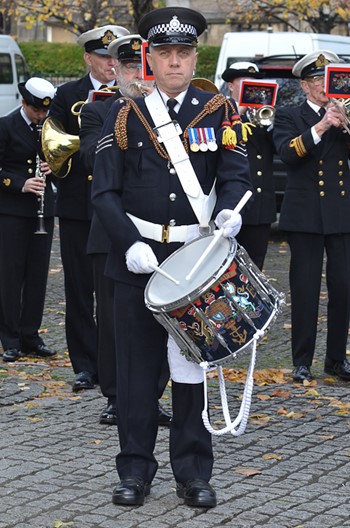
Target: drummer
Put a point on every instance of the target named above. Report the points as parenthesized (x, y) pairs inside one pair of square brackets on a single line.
[(139, 193)]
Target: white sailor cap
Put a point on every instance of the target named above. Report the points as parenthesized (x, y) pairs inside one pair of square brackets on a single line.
[(98, 39), (37, 92), (126, 48), (314, 63), (172, 25)]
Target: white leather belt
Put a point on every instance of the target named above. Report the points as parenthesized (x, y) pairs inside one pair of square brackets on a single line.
[(161, 233)]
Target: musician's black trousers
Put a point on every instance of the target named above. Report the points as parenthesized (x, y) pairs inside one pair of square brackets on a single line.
[(255, 239), (81, 330), (141, 348), (307, 251), (24, 264), (107, 367)]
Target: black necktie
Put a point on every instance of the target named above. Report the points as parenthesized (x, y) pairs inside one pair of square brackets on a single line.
[(34, 127), (102, 86), (321, 111), (171, 105)]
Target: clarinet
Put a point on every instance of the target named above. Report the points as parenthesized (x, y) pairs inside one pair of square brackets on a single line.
[(40, 213)]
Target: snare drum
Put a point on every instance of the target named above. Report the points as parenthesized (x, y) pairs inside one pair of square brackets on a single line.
[(217, 313)]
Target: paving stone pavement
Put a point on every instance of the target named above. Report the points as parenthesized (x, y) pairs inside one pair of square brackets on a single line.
[(290, 469)]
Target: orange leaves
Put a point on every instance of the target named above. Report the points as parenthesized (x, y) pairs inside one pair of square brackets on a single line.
[(251, 472), (261, 377), (290, 414)]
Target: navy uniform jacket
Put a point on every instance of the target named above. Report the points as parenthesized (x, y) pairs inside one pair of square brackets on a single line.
[(317, 196), (260, 147), (73, 191), (18, 149), (92, 118), (139, 181)]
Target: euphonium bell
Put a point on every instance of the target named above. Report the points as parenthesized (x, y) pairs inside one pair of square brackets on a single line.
[(58, 147), (204, 84)]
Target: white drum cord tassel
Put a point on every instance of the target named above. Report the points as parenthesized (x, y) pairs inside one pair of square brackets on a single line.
[(238, 426)]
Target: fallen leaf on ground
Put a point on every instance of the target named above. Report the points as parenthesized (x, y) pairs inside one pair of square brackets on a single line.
[(271, 456), (263, 397), (248, 472)]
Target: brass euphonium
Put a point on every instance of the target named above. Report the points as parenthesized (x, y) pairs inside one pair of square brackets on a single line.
[(58, 146), (204, 84), (78, 105)]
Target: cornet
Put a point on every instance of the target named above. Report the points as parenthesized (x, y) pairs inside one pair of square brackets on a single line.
[(343, 105), (262, 116)]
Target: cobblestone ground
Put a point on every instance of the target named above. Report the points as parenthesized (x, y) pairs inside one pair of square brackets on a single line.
[(290, 469)]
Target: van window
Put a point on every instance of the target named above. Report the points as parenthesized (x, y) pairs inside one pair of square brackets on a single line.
[(21, 68), (6, 75)]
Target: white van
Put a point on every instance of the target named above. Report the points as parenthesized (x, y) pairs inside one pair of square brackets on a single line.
[(250, 45), (13, 69)]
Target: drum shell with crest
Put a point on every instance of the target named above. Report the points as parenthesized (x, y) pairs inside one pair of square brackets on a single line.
[(216, 314)]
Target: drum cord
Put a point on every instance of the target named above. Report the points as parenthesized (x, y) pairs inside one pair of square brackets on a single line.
[(243, 415)]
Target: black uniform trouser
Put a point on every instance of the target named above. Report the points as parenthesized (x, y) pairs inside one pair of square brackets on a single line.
[(255, 239), (307, 251), (107, 363), (24, 265), (140, 354), (81, 331), (106, 355)]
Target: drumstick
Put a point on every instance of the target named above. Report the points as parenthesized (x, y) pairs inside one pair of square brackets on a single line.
[(218, 234), (164, 273)]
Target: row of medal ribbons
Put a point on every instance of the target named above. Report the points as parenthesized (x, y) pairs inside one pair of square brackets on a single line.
[(202, 139)]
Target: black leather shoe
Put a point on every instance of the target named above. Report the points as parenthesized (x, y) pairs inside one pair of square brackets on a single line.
[(83, 380), (196, 492), (12, 354), (164, 418), (338, 368), (131, 491), (301, 373), (39, 351), (109, 414)]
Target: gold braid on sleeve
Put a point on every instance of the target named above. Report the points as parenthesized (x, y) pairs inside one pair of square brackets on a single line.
[(299, 147)]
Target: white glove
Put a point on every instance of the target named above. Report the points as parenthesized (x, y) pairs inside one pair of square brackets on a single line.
[(140, 258), (231, 222)]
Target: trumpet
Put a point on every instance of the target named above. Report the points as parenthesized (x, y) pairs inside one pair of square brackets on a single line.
[(41, 200), (262, 116)]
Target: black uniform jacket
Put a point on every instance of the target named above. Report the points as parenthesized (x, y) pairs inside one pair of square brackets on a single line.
[(317, 196), (139, 181), (18, 150), (73, 191), (262, 209), (92, 118)]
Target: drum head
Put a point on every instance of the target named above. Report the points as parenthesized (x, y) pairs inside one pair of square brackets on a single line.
[(161, 292)]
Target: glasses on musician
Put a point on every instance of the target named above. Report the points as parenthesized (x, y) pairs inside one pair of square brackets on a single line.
[(317, 79), (132, 66)]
